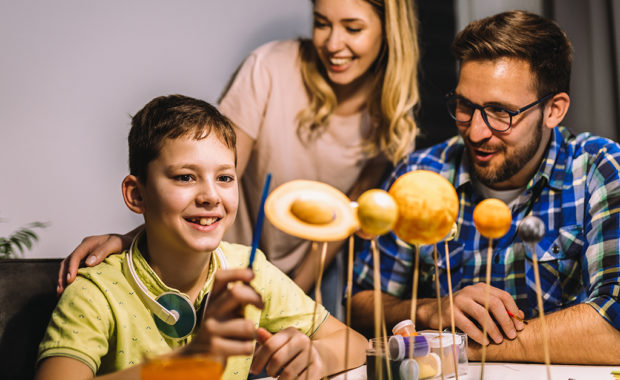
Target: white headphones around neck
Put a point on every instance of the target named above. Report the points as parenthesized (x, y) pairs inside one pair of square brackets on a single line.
[(173, 312)]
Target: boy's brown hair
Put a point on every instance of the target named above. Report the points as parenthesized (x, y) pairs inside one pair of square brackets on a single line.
[(522, 35), (172, 117)]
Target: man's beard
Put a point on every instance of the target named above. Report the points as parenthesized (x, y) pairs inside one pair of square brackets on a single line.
[(514, 161)]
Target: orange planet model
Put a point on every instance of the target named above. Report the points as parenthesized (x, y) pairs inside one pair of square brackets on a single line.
[(427, 207), (377, 212), (492, 218)]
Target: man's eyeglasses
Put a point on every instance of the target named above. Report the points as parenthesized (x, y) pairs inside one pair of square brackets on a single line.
[(496, 117)]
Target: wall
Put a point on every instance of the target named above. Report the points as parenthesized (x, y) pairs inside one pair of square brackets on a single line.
[(71, 73)]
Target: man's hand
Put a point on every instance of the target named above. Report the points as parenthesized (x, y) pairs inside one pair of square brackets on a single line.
[(224, 331), (469, 313), (285, 355)]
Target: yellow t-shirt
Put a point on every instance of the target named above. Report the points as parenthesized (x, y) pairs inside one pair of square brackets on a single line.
[(100, 320)]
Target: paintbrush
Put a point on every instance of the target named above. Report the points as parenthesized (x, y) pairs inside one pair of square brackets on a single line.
[(517, 317), (258, 227)]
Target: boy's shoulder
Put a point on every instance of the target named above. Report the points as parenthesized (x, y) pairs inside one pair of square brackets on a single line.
[(109, 270)]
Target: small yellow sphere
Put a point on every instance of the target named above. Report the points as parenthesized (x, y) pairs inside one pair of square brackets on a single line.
[(377, 212), (492, 218), (427, 207)]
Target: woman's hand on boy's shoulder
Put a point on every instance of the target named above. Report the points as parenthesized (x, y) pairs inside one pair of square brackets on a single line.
[(285, 355), (90, 252), (224, 331)]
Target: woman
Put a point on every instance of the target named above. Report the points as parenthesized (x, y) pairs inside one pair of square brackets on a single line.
[(335, 109)]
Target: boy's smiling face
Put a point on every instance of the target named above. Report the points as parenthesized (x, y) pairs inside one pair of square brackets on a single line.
[(191, 195)]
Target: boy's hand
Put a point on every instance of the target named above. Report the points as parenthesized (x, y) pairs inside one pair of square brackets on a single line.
[(224, 331), (285, 355)]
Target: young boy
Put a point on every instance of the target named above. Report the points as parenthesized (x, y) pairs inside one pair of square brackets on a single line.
[(144, 302)]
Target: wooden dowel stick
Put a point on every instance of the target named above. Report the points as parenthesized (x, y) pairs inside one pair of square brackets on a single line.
[(385, 344), (348, 312), (486, 306), (438, 291), (317, 299), (378, 306), (541, 310), (414, 290), (456, 372)]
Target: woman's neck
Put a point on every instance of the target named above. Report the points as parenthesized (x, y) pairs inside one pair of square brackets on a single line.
[(184, 271), (353, 97)]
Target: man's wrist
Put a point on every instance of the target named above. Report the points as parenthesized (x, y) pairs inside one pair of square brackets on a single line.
[(423, 313)]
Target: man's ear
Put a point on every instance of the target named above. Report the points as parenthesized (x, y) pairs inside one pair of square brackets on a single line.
[(556, 109), (133, 194)]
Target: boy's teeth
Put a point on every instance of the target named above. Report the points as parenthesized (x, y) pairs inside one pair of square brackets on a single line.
[(204, 221)]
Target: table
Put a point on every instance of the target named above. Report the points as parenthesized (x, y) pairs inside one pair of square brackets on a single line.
[(516, 371)]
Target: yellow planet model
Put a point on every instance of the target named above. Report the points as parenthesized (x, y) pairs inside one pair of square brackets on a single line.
[(492, 218), (427, 207), (377, 212)]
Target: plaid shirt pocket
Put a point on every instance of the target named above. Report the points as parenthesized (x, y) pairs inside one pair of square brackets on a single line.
[(558, 255)]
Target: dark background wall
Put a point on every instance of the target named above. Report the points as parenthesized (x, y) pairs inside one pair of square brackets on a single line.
[(437, 71)]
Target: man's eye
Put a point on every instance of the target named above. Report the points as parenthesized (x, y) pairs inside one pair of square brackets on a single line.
[(496, 112)]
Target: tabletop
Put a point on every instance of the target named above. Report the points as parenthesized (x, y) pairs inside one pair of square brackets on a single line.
[(515, 371)]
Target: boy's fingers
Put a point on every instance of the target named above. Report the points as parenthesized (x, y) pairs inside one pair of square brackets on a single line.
[(225, 276), (263, 353), (230, 301), (298, 366), (294, 351), (262, 335)]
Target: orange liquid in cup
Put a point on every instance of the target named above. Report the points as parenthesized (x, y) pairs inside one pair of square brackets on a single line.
[(197, 367)]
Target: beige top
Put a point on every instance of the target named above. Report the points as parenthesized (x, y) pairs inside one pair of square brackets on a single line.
[(263, 100)]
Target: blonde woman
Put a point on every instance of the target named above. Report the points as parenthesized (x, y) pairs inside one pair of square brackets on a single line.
[(336, 109)]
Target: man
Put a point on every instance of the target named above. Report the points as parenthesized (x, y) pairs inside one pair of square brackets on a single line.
[(511, 96)]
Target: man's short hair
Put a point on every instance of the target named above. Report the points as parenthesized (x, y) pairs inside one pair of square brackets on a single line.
[(522, 35), (172, 117)]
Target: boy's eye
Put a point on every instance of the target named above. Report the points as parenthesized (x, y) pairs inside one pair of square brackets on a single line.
[(226, 178), (183, 178)]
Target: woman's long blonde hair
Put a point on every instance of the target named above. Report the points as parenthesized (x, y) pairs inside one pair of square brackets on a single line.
[(394, 91)]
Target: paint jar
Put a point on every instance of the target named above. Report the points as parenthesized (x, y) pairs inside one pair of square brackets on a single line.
[(421, 367), (183, 367), (400, 346), (447, 348), (404, 328)]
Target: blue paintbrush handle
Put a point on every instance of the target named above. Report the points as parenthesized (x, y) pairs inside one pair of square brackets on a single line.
[(258, 227)]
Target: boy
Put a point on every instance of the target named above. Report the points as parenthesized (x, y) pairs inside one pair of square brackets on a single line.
[(182, 178)]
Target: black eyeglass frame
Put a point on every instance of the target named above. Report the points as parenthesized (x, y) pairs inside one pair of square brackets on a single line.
[(451, 95)]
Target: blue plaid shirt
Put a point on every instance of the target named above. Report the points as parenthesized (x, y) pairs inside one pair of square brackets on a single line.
[(576, 193)]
